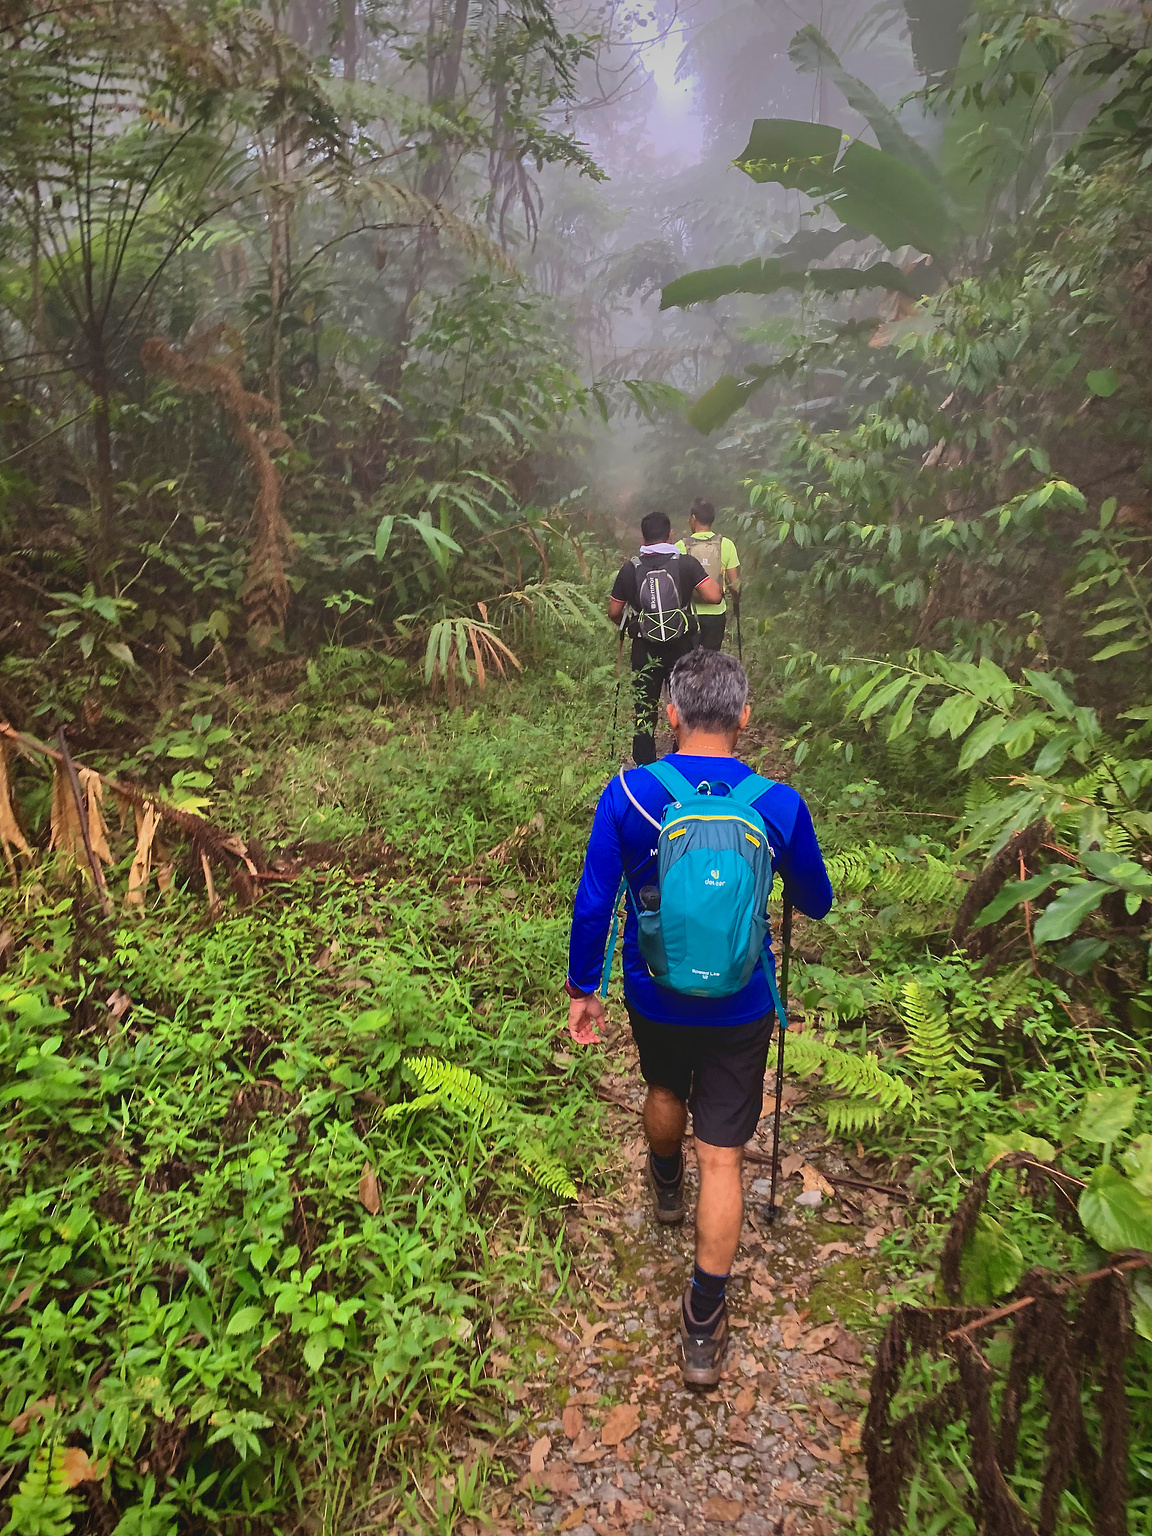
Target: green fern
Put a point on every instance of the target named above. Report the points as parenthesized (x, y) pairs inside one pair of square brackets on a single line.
[(893, 875), (547, 1171), (41, 1505), (933, 1048), (445, 1083), (409, 1106), (851, 1116), (454, 1085)]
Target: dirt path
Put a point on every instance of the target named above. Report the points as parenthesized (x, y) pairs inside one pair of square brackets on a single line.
[(611, 1441)]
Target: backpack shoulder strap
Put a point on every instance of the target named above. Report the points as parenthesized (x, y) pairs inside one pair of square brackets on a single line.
[(671, 778), (635, 802), (750, 789)]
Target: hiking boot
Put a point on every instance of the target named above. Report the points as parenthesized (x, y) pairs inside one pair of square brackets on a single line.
[(667, 1199), (703, 1353)]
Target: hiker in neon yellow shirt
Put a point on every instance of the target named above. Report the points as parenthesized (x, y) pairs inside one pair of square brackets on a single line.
[(719, 558)]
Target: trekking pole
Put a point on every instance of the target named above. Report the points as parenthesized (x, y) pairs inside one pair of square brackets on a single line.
[(740, 649), (786, 931)]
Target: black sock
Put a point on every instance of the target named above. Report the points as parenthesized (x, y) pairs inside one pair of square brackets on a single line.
[(668, 1170), (704, 1299)]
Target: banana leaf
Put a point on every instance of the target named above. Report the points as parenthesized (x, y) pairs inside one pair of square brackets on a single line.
[(794, 154), (811, 54), (771, 275)]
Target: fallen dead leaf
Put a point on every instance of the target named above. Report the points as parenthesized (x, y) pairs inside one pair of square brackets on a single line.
[(32, 1414), (622, 1421), (814, 1179), (592, 1332), (817, 1339), (571, 1520), (631, 1510), (823, 1453), (761, 1292), (720, 1510), (573, 1421), (826, 1250), (873, 1236), (539, 1454), (368, 1191), (22, 1296), (850, 1439), (592, 1453), (739, 1431), (75, 1466), (583, 1440), (791, 1164), (792, 1328), (847, 1349), (745, 1400), (671, 1434)]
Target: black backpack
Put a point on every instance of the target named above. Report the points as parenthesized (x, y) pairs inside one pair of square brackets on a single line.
[(662, 616)]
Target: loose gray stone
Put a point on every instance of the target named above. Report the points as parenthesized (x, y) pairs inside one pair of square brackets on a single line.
[(634, 1220), (790, 1472), (805, 1462), (703, 1437)]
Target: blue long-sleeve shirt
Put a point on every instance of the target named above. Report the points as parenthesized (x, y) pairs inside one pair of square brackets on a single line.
[(623, 843)]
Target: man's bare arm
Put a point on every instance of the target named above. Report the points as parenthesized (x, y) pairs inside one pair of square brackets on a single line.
[(732, 577), (708, 591), (616, 606)]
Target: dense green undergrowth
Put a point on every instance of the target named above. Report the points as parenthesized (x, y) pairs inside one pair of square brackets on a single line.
[(239, 1271), (261, 1270)]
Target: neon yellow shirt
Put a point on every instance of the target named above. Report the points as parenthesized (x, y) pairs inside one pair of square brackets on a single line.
[(729, 561)]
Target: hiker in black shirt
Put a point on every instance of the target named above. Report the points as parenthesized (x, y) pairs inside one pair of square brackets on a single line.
[(658, 586)]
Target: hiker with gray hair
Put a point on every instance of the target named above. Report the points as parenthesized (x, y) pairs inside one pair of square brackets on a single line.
[(693, 842)]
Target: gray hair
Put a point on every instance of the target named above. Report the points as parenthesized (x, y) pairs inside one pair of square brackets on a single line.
[(709, 690)]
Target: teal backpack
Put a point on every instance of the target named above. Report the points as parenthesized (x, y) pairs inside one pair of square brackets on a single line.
[(702, 927)]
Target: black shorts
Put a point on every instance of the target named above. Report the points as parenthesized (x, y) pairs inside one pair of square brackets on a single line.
[(716, 1069)]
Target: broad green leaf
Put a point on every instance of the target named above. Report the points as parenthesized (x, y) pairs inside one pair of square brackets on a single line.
[(1069, 910), (245, 1319), (1052, 693), (1119, 871), (886, 695), (792, 153), (724, 399), (903, 717), (771, 275), (1012, 895), (1115, 1214), (384, 535), (1107, 1112), (811, 54), (1142, 1306), (1103, 382), (1051, 756), (955, 715), (896, 203), (996, 1147), (314, 1352), (990, 1265), (1137, 1164), (121, 652), (1081, 955), (1119, 648), (981, 742)]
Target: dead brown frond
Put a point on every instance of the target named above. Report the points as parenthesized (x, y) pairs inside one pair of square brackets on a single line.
[(1073, 1350), (201, 365)]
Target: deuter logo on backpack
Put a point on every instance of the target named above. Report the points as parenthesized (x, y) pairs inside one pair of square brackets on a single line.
[(662, 616)]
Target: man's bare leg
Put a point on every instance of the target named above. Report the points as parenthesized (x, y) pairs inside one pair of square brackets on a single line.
[(719, 1206), (665, 1121)]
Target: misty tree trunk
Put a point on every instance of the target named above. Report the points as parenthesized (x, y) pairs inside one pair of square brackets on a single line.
[(348, 28), (101, 553), (443, 82)]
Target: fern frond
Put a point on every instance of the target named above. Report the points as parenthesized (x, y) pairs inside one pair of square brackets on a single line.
[(547, 1171), (455, 1085), (857, 1073), (409, 1106), (979, 795), (933, 1048), (851, 1116)]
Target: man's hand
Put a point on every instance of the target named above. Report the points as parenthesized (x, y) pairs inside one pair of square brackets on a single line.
[(735, 599), (584, 1015)]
